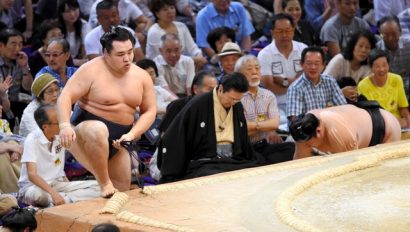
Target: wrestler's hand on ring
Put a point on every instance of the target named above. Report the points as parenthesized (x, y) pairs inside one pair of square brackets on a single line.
[(67, 136)]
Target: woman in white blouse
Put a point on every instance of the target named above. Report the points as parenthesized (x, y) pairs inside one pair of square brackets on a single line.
[(165, 14), (352, 62)]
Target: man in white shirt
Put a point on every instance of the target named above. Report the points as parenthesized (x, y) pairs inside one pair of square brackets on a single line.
[(280, 61), (129, 12), (176, 71), (43, 181), (108, 16)]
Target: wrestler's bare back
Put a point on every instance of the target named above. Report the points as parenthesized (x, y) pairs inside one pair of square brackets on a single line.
[(107, 94)]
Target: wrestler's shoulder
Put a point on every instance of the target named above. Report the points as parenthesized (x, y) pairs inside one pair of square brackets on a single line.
[(137, 71)]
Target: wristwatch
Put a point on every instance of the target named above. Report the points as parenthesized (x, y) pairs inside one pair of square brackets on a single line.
[(285, 82)]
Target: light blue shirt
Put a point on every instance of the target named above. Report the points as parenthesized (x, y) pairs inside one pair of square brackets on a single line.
[(69, 72), (208, 19)]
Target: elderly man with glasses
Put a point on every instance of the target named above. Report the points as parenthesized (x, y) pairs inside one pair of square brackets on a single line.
[(57, 55)]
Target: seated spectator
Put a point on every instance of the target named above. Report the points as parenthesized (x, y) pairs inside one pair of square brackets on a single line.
[(45, 90), (338, 30), (228, 56), (342, 128), (19, 219), (164, 96), (57, 54), (220, 13), (262, 114), (204, 82), (352, 62), (10, 166), (108, 17), (385, 87), (397, 48), (7, 14), (319, 11), (217, 38), (46, 31), (404, 18), (130, 15), (43, 181), (164, 11), (212, 135), (304, 32), (312, 90), (14, 63), (383, 8), (74, 28), (280, 61), (175, 71)]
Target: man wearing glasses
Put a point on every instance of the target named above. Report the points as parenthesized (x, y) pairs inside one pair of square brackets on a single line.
[(280, 61), (57, 55), (312, 90), (342, 128)]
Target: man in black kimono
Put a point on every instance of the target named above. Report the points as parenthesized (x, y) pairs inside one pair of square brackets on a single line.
[(209, 135)]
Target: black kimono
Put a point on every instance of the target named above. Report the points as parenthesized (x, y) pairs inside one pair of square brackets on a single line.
[(188, 147)]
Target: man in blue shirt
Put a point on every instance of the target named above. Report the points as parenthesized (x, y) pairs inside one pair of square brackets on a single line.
[(221, 13)]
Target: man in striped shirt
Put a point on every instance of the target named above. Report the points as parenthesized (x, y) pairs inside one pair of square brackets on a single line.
[(312, 90), (262, 114)]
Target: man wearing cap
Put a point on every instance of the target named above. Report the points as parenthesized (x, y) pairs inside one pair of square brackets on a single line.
[(342, 128), (175, 71), (228, 56), (107, 90), (45, 90), (280, 61)]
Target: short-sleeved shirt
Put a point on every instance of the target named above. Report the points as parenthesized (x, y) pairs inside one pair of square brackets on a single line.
[(391, 96), (69, 72), (334, 31), (128, 12), (178, 78), (258, 108), (274, 63), (49, 157), (208, 19), (92, 43), (188, 45), (339, 67), (303, 95), (399, 60), (164, 97)]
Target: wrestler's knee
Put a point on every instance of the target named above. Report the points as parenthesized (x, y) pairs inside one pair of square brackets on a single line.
[(93, 130)]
